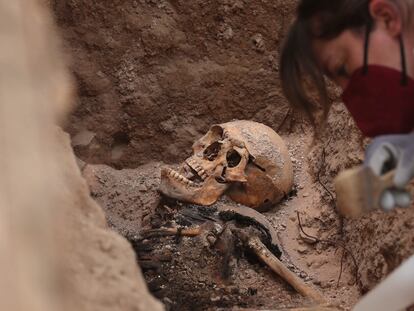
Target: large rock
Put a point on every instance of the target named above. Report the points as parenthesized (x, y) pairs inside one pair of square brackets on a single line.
[(56, 252), (100, 265)]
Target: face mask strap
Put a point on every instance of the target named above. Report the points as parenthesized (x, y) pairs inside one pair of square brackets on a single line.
[(404, 78), (366, 48)]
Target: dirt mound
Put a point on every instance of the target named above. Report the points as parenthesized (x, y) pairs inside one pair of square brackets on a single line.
[(129, 197), (99, 266)]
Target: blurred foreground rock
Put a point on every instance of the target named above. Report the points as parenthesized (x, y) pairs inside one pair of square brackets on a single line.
[(56, 252)]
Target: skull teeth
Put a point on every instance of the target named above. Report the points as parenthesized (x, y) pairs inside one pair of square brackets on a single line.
[(200, 171), (177, 176)]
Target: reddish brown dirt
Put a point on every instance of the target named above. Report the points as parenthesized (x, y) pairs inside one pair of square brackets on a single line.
[(380, 241), (154, 75)]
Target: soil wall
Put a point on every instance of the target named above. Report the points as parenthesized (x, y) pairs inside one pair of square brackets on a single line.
[(153, 75)]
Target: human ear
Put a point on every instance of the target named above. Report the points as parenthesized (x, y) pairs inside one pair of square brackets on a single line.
[(386, 15)]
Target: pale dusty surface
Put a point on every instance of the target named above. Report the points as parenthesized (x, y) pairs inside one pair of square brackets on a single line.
[(99, 265), (56, 252)]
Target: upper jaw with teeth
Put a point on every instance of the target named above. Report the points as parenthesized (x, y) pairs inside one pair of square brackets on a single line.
[(176, 185), (178, 177), (197, 168)]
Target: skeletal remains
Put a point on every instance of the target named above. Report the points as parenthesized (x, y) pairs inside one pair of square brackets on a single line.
[(250, 163), (246, 160), (248, 226)]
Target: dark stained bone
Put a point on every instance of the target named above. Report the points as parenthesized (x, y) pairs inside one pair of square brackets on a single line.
[(251, 217)]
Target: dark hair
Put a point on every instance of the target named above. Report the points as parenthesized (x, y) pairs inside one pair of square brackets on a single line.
[(322, 19)]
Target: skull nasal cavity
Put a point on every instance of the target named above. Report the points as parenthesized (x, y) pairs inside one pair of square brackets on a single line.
[(212, 151), (233, 158)]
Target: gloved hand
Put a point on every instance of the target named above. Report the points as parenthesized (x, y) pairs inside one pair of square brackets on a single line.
[(393, 152)]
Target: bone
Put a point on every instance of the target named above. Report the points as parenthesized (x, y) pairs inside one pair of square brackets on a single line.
[(260, 250), (247, 214), (189, 232), (201, 172)]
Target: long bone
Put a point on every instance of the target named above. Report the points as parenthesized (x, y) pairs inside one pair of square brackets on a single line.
[(267, 257)]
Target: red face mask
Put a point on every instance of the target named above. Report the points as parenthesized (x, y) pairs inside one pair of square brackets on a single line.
[(379, 102), (381, 99)]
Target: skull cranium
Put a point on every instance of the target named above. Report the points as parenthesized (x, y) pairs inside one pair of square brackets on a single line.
[(244, 159)]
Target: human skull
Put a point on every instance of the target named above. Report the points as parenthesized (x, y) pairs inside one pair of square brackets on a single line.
[(246, 160)]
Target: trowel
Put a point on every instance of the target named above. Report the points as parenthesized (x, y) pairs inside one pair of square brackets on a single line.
[(359, 190)]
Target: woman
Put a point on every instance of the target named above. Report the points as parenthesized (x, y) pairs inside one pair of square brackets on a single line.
[(367, 48)]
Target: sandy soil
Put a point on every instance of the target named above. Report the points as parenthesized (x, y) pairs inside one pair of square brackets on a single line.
[(155, 74)]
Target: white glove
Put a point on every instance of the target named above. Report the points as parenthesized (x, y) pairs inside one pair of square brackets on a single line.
[(393, 152)]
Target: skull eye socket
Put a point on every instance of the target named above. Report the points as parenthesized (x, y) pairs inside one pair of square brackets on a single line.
[(233, 158), (212, 151)]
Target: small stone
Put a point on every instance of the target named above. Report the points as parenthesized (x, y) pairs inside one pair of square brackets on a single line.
[(83, 138), (302, 250), (228, 33), (319, 263), (317, 282), (211, 239), (325, 285), (100, 74), (142, 188), (167, 301), (307, 239), (259, 43)]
